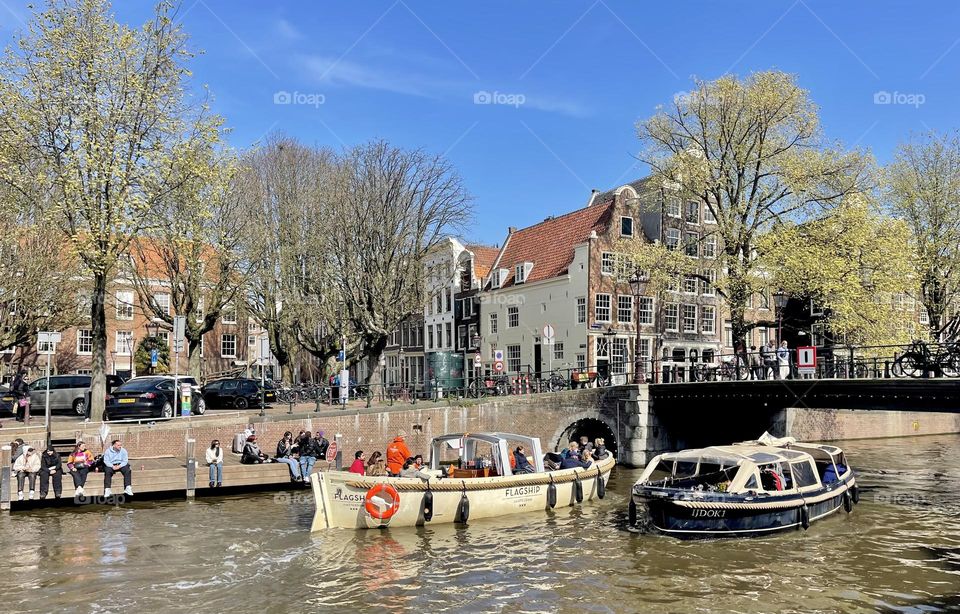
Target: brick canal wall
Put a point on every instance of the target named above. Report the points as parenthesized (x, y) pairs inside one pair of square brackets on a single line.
[(840, 424), (545, 416)]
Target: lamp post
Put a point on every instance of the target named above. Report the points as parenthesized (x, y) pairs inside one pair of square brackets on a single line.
[(153, 332), (638, 285), (780, 301)]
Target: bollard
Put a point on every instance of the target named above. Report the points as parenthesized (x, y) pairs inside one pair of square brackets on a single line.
[(317, 408), (191, 468), (5, 492), (290, 406)]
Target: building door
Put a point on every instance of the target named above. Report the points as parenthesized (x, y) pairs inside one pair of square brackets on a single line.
[(537, 360)]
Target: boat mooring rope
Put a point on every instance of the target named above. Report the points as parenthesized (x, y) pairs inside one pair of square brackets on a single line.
[(761, 505)]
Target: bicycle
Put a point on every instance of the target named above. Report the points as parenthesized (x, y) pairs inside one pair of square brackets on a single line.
[(556, 382)]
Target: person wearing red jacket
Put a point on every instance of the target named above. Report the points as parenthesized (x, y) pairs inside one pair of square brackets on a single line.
[(397, 453)]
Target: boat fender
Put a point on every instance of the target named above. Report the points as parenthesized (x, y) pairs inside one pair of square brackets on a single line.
[(578, 489), (601, 487), (428, 504), (463, 509), (552, 494), (804, 516), (856, 493), (632, 512), (374, 509), (847, 502)]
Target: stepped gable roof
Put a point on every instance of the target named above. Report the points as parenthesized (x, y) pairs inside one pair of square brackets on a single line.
[(550, 244), (483, 258)]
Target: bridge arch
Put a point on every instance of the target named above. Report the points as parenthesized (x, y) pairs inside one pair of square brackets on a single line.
[(589, 424)]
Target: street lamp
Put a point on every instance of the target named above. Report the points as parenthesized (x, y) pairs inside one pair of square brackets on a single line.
[(780, 301), (638, 285), (153, 332)]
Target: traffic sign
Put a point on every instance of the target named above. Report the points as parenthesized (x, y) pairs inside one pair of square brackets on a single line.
[(332, 451), (154, 357), (548, 333), (498, 355), (498, 366), (179, 333), (807, 357), (477, 360)]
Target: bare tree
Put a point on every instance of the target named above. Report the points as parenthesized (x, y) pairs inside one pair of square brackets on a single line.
[(396, 205), (198, 254), (752, 153), (923, 189)]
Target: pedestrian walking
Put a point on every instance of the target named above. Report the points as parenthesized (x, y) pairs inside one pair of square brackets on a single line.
[(755, 370), (783, 360), (21, 394), (768, 356)]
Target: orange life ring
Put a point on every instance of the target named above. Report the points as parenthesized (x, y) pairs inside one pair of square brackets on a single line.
[(373, 509)]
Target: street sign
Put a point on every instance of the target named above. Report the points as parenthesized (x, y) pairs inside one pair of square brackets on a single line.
[(498, 355), (498, 366), (477, 360), (154, 357), (344, 386), (264, 356), (332, 451), (179, 333), (806, 360), (340, 356), (48, 337), (548, 333)]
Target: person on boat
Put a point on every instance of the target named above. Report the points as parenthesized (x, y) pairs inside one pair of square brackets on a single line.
[(418, 461), (600, 451), (373, 460), (574, 461), (285, 454), (521, 464), (397, 453), (251, 452), (585, 443), (572, 449), (358, 465), (410, 470)]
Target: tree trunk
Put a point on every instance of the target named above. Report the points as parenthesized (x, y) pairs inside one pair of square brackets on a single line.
[(193, 358), (737, 303), (374, 368), (98, 326)]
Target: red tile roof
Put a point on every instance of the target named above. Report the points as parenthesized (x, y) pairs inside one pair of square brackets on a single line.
[(483, 258), (550, 244)]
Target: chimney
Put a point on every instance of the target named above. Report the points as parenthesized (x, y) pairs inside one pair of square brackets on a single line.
[(511, 229), (593, 196)]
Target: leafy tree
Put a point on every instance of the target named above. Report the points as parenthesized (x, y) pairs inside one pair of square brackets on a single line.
[(923, 189), (142, 356), (851, 262), (751, 151), (96, 131)]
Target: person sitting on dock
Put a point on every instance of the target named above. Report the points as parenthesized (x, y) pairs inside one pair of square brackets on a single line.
[(51, 468), (410, 470), (116, 460), (27, 467), (285, 454), (358, 466), (322, 445), (79, 464), (309, 453), (214, 458), (397, 453), (522, 464), (251, 452)]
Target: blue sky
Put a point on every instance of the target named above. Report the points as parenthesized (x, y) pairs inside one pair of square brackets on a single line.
[(571, 78)]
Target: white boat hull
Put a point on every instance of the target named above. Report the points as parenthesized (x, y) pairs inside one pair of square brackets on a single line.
[(340, 496)]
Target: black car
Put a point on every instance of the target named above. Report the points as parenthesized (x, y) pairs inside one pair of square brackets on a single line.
[(239, 393), (141, 397)]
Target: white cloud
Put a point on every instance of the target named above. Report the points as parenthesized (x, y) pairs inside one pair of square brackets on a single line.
[(287, 30)]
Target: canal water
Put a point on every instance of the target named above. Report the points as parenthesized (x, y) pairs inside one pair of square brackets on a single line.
[(898, 552)]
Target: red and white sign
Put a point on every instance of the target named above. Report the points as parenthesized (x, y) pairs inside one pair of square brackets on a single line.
[(498, 366), (807, 357), (477, 360), (332, 451)]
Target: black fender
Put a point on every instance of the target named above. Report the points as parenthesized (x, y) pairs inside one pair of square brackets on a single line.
[(601, 487), (428, 504), (847, 502), (552, 494), (805, 516), (632, 512), (578, 489), (856, 493)]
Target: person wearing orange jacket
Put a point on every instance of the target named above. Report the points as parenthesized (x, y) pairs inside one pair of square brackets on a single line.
[(397, 453)]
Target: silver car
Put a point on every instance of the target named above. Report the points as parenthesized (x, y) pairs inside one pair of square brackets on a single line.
[(67, 392)]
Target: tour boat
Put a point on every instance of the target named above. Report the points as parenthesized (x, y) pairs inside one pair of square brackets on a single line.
[(745, 489), (479, 484)]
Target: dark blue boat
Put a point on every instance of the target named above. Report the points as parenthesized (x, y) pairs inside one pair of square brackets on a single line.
[(745, 489)]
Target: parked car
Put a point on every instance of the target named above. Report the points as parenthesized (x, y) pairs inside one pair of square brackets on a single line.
[(67, 392), (152, 396), (239, 392), (6, 401)]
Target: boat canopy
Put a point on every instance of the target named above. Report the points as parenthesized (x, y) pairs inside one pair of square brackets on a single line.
[(499, 444)]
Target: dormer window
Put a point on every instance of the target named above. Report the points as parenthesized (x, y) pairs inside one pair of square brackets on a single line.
[(499, 277), (522, 272)]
